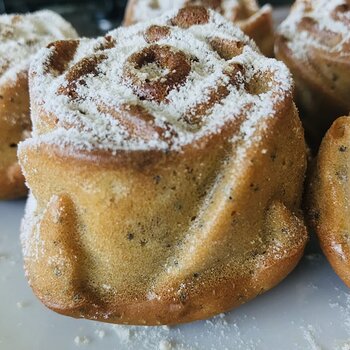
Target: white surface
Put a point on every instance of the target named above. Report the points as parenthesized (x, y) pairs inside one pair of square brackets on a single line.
[(309, 310)]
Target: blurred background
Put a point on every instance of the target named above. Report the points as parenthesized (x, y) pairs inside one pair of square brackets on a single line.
[(90, 17)]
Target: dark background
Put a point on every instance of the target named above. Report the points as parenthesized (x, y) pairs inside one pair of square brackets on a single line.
[(89, 17)]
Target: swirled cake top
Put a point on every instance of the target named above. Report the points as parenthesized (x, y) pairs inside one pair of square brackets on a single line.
[(320, 24), (158, 85), (235, 10), (21, 36)]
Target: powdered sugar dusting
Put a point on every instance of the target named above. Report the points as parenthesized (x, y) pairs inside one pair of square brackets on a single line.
[(22, 36), (152, 8), (310, 338), (29, 224), (174, 338), (331, 19), (82, 123), (338, 250)]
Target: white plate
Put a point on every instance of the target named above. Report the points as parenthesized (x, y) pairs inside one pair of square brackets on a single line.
[(309, 310)]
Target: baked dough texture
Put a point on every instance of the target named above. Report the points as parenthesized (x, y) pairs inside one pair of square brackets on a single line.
[(329, 196), (21, 36), (166, 170), (256, 22), (314, 42)]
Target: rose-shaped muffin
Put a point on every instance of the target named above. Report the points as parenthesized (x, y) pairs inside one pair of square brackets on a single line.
[(314, 42), (21, 36), (254, 21), (166, 168)]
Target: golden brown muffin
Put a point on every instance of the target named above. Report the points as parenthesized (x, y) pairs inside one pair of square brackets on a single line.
[(254, 21), (329, 197), (314, 42), (166, 170), (21, 36)]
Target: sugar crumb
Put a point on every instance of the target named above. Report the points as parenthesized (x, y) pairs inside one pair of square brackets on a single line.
[(22, 304), (81, 340), (165, 344)]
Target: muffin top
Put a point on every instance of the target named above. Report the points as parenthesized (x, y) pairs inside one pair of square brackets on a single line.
[(21, 36), (158, 85), (318, 25)]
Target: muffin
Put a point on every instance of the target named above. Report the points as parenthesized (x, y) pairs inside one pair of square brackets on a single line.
[(314, 42), (328, 197), (21, 36), (166, 168)]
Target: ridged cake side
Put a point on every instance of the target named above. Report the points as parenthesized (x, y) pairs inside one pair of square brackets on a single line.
[(149, 214)]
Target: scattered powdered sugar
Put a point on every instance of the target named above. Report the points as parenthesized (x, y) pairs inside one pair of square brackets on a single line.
[(22, 36), (150, 337), (81, 340), (145, 9), (29, 224), (165, 345), (219, 329), (81, 122), (22, 304), (123, 332), (325, 18), (339, 250), (344, 311), (100, 333), (309, 336)]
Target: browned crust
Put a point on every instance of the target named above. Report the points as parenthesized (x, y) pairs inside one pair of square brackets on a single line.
[(329, 195), (14, 121)]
